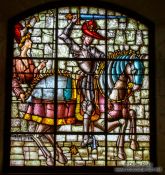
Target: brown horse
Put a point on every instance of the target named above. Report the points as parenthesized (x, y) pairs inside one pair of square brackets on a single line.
[(125, 76)]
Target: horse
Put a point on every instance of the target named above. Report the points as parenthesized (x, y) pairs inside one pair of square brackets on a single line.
[(124, 77), (40, 99)]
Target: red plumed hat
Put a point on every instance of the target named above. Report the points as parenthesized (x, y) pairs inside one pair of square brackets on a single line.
[(90, 28), (17, 32)]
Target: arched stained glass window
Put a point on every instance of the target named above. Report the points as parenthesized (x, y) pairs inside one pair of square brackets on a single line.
[(80, 95)]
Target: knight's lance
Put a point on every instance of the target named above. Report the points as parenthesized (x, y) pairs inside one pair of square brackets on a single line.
[(96, 17)]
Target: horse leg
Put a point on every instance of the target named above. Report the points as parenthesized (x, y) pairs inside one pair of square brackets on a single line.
[(134, 144), (113, 125), (37, 138), (46, 153), (120, 141), (59, 153)]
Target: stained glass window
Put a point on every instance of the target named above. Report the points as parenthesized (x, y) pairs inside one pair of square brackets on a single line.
[(80, 89)]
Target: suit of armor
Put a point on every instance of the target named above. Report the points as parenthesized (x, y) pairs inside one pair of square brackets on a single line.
[(88, 67)]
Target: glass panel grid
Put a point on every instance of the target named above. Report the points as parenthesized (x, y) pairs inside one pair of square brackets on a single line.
[(78, 100)]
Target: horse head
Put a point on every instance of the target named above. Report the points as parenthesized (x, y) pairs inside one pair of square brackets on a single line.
[(117, 66), (137, 71)]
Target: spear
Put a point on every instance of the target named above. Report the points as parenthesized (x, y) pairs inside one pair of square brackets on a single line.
[(93, 16)]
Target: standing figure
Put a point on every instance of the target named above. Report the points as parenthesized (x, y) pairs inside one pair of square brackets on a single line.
[(88, 67), (25, 72), (24, 69)]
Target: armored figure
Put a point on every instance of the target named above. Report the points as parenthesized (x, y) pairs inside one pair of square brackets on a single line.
[(121, 74), (87, 66)]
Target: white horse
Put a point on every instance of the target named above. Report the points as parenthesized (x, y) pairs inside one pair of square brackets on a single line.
[(41, 109)]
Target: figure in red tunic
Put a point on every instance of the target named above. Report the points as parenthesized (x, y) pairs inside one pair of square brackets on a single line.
[(24, 69), (24, 72)]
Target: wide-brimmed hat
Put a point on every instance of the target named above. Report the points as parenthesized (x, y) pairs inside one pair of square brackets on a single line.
[(90, 28)]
